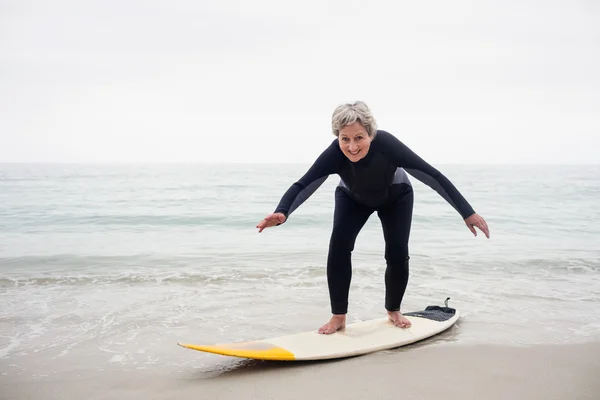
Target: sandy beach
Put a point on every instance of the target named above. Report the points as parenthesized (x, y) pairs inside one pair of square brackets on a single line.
[(420, 371)]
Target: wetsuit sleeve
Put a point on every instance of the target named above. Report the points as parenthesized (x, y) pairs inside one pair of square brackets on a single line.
[(399, 154), (318, 173)]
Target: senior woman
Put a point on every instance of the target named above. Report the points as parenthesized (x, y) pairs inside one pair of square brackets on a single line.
[(371, 164)]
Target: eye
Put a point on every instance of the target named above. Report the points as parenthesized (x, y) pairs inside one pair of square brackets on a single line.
[(344, 139)]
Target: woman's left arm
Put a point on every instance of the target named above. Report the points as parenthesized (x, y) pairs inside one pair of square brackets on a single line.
[(404, 157)]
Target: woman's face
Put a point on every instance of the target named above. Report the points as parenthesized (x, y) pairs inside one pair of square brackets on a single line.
[(354, 141)]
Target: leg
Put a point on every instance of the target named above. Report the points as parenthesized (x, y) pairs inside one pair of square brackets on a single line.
[(348, 219), (396, 218)]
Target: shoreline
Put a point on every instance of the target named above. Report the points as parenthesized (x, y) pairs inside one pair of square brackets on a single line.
[(418, 371)]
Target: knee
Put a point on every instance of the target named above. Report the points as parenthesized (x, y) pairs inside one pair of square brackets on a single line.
[(397, 255), (341, 242)]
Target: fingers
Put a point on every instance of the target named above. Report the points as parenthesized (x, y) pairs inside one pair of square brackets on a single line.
[(263, 224), (270, 220), (484, 228), (477, 221), (482, 225), (472, 229)]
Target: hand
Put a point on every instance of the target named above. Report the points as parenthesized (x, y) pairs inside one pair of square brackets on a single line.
[(476, 220), (271, 220)]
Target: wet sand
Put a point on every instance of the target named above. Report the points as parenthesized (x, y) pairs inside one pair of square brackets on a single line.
[(446, 371)]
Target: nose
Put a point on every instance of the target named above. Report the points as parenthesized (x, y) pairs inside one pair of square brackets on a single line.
[(352, 147)]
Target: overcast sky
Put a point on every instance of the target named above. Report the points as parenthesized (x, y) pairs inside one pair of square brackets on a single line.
[(257, 81)]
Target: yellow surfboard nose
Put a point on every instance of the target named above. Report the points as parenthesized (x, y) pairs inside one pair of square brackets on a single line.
[(246, 350)]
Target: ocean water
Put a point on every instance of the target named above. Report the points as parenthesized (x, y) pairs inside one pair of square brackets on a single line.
[(107, 267)]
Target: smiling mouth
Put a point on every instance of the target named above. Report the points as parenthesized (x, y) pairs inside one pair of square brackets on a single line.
[(355, 153)]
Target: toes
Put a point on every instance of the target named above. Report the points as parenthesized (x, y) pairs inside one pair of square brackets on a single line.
[(331, 327), (326, 330), (402, 324)]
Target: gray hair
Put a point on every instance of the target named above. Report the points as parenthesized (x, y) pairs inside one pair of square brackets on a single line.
[(349, 113)]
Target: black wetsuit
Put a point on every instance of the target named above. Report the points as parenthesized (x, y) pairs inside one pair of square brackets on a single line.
[(377, 182)]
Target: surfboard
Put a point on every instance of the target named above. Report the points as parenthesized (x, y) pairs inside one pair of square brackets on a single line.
[(355, 339)]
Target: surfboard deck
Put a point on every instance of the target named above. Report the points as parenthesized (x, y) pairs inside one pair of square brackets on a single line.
[(356, 339)]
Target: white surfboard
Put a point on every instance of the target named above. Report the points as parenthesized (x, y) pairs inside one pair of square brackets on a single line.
[(356, 339)]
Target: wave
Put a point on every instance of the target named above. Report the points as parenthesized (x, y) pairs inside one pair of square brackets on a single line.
[(73, 270), (132, 278), (222, 269), (56, 223), (179, 279), (570, 265), (137, 220)]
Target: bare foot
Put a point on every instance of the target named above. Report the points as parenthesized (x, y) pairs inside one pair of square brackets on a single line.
[(398, 319), (336, 323)]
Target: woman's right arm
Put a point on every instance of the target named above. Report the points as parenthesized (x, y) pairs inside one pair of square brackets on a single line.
[(301, 190)]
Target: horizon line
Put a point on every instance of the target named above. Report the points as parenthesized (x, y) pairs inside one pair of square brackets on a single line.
[(275, 162)]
